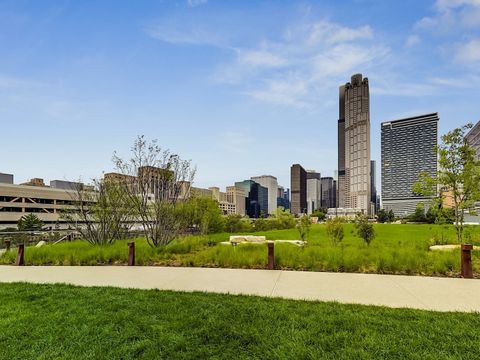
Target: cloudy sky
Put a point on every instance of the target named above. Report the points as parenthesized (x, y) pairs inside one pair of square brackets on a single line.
[(242, 88)]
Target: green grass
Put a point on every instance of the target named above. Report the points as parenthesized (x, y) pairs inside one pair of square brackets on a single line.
[(66, 322), (397, 249)]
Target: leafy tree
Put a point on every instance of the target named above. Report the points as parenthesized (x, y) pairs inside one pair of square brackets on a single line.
[(235, 223), (459, 173), (364, 228), (334, 228), (204, 214), (391, 216), (382, 216), (303, 226), (283, 219), (419, 214), (29, 222), (320, 213)]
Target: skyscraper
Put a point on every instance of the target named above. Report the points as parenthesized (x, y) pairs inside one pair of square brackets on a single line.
[(354, 145), (407, 150), (329, 193), (270, 182), (256, 200), (298, 186), (314, 191), (473, 138), (373, 185)]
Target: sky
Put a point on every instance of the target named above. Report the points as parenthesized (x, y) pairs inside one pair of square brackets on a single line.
[(242, 88)]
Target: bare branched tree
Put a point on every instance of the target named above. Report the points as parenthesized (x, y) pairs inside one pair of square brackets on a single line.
[(157, 183), (101, 215)]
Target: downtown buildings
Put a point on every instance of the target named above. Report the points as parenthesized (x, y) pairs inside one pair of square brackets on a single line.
[(354, 182), (407, 149)]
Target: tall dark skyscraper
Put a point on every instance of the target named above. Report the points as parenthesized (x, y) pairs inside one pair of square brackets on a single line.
[(298, 189), (373, 185), (354, 145), (407, 150), (329, 193), (256, 201)]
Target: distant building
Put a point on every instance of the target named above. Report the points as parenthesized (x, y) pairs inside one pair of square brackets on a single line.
[(6, 178), (407, 147), (237, 196), (34, 182), (373, 186), (473, 138), (65, 185), (283, 198), (314, 191), (256, 201), (270, 182), (348, 213), (298, 186), (329, 193), (354, 144)]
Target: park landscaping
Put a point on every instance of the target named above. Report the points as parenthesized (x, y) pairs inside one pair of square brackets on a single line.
[(67, 322), (396, 249)]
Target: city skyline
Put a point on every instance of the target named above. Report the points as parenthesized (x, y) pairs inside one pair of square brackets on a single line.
[(211, 80)]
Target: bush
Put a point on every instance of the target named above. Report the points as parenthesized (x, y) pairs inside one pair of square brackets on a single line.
[(334, 228), (364, 228)]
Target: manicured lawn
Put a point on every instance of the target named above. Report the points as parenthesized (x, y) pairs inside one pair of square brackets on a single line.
[(397, 249), (66, 322)]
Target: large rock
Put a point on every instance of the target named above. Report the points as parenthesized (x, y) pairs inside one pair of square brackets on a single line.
[(41, 243), (247, 239)]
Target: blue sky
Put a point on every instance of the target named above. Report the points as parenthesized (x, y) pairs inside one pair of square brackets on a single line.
[(242, 88)]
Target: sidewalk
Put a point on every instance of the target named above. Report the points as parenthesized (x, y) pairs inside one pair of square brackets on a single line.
[(429, 293)]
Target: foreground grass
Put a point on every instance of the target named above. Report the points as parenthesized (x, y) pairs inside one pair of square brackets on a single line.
[(397, 249), (66, 322)]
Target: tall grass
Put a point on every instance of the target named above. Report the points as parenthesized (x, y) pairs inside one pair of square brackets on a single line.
[(397, 249)]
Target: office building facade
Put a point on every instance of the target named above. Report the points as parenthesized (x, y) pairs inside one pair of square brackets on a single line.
[(298, 189), (271, 183), (314, 191), (408, 148), (354, 145), (256, 198), (329, 193), (473, 139)]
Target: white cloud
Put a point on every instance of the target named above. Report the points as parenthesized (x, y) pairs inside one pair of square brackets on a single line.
[(331, 33), (452, 15), (412, 40), (260, 58), (192, 35), (194, 3), (469, 53)]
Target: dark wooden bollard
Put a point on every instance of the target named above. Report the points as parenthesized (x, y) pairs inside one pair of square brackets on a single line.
[(8, 243), (271, 255), (131, 254), (466, 261), (20, 261)]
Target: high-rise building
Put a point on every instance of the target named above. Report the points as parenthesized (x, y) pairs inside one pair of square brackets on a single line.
[(473, 138), (283, 197), (6, 178), (298, 186), (354, 145), (270, 182), (314, 191), (237, 196), (256, 200), (329, 193), (373, 186), (408, 148)]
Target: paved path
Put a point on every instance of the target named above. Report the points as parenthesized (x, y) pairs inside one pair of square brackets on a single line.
[(441, 294)]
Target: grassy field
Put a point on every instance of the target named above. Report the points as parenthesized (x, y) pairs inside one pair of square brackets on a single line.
[(397, 249), (66, 322)]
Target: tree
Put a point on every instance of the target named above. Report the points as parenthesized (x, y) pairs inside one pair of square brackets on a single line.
[(419, 214), (283, 219), (334, 229), (101, 215), (205, 214), (459, 174), (29, 222), (321, 213), (157, 183), (391, 216), (364, 228), (303, 226), (382, 216), (234, 223)]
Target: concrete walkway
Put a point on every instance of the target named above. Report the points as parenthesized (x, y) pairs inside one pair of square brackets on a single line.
[(429, 293)]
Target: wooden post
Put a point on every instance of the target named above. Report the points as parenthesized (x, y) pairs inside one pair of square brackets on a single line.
[(20, 261), (271, 255), (131, 254), (466, 261), (8, 243)]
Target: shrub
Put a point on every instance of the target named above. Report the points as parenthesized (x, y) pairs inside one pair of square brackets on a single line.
[(334, 228)]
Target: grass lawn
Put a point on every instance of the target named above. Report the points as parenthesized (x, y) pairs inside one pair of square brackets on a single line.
[(397, 249), (66, 322)]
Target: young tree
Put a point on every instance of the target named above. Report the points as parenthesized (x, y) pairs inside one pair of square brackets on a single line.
[(334, 229), (321, 213), (391, 216), (459, 174), (156, 182), (364, 228), (382, 216), (205, 214), (101, 215), (29, 222), (303, 226)]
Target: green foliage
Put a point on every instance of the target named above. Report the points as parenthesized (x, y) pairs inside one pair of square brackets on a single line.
[(382, 216), (334, 228), (419, 214), (235, 223), (459, 173), (303, 226), (29, 222), (320, 213), (364, 229), (67, 322), (391, 216), (283, 219), (204, 214)]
